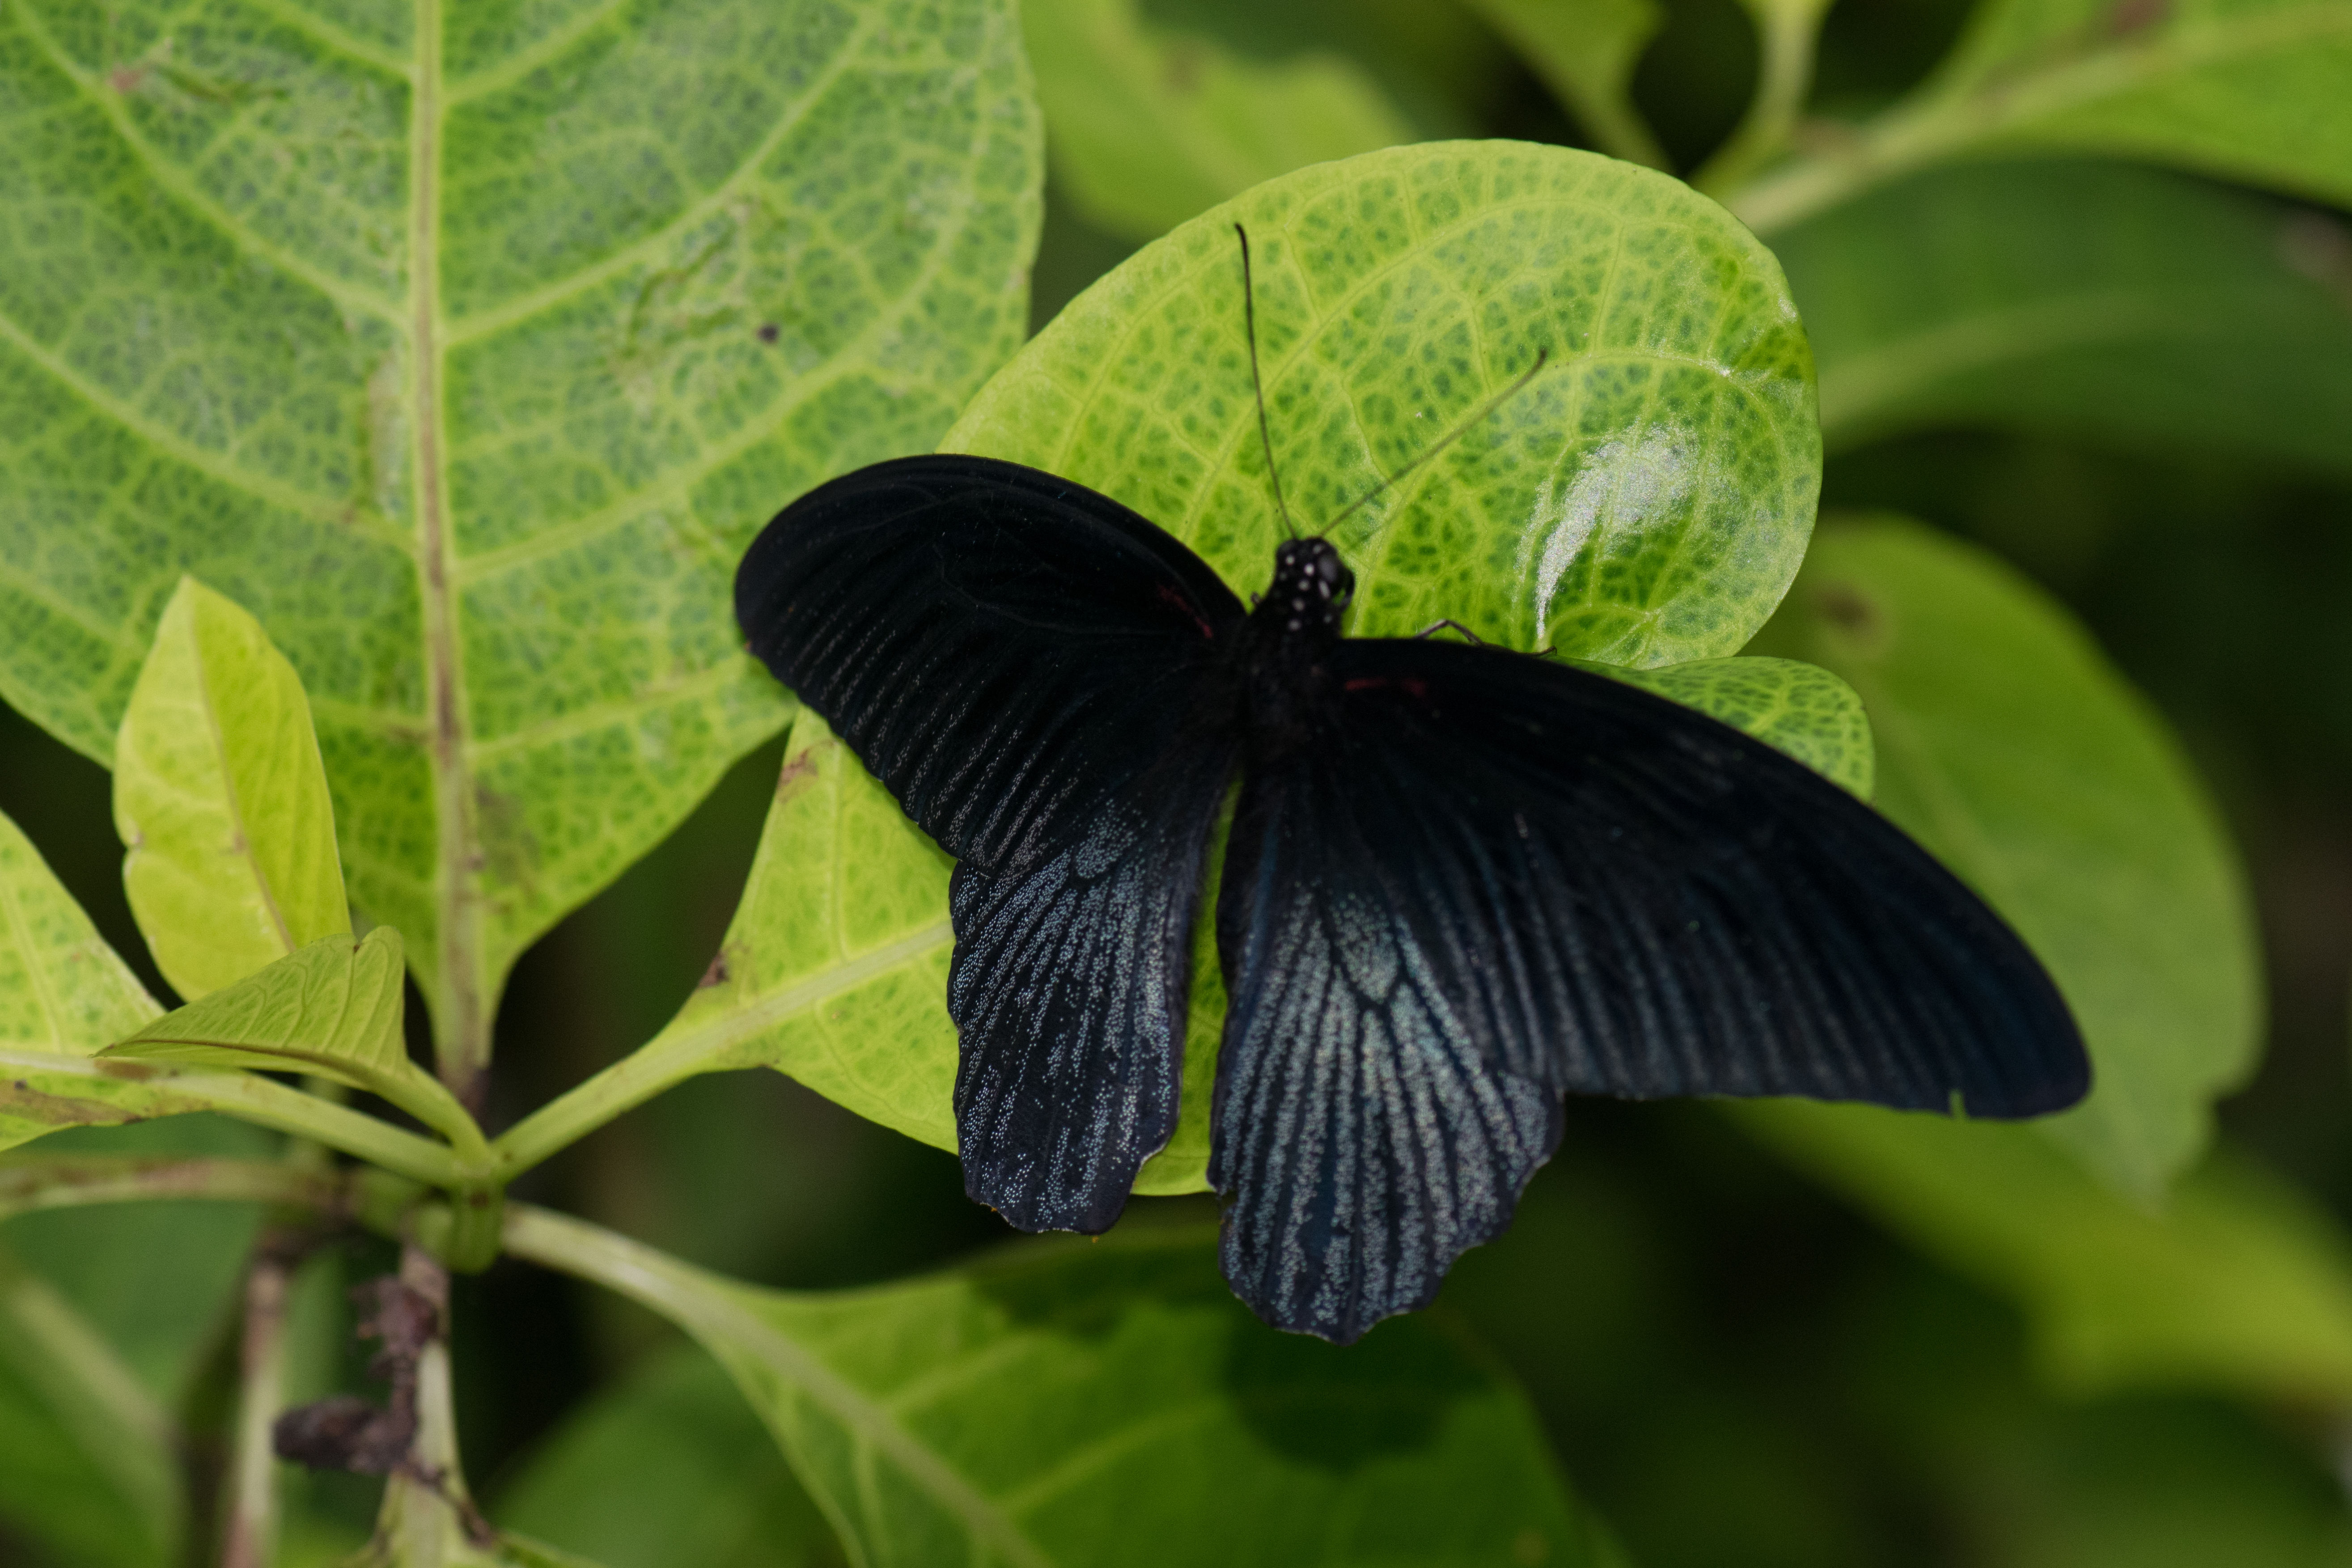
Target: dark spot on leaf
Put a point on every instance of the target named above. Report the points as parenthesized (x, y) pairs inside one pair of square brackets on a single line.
[(126, 78), (797, 771), (1846, 609), (769, 333), (59, 1110), (2129, 16), (1186, 62), (719, 973)]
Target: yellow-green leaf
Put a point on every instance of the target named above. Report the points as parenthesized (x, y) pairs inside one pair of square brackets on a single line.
[(62, 989), (1800, 709), (222, 800), (333, 1008)]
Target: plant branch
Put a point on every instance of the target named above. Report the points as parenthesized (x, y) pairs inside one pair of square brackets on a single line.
[(1788, 30), (250, 1537)]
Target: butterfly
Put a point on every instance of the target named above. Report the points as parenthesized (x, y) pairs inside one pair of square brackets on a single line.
[(1460, 882)]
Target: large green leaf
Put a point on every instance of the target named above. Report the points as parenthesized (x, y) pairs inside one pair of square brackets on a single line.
[(2010, 747), (2238, 1281), (2092, 299), (1086, 1404), (1149, 127), (222, 800), (2252, 89), (467, 349), (62, 989), (667, 1465), (1644, 500), (1585, 52)]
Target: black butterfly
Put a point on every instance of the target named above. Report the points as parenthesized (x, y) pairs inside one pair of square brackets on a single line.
[(1460, 881)]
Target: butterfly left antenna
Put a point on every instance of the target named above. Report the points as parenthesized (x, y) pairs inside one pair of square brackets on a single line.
[(1265, 437)]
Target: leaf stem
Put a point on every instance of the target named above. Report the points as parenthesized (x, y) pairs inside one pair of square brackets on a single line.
[(697, 1041), (461, 1012), (1788, 30)]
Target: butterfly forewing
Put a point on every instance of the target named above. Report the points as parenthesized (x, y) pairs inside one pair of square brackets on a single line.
[(1044, 680), (1482, 878), (1004, 649)]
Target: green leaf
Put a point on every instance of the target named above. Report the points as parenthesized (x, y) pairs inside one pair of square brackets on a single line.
[(333, 1008), (62, 988), (1085, 1404), (87, 1466), (2177, 315), (667, 1465), (220, 795), (1644, 500), (1801, 708), (2011, 748), (1586, 52), (2237, 1282), (468, 359), (1149, 127), (2249, 89)]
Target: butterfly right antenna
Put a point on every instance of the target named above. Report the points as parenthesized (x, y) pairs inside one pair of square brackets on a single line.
[(1476, 417), (1265, 437)]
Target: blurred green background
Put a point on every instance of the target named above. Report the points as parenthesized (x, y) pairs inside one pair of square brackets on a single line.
[(1734, 1366)]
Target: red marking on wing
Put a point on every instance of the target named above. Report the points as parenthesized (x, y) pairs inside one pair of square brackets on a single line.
[(1191, 610), (1413, 686)]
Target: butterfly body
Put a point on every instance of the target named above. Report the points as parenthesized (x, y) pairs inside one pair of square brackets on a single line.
[(1460, 881)]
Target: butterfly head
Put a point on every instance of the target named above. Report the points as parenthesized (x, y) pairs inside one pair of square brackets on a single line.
[(1311, 585)]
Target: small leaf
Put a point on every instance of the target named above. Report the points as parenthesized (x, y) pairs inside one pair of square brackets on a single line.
[(1086, 1404), (667, 1465), (1149, 127), (2239, 1282), (2177, 316), (222, 800), (1585, 52), (62, 989), (334, 1008), (2010, 747), (1801, 708)]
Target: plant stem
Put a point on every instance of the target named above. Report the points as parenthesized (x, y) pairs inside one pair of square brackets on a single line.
[(379, 1201), (1787, 29), (266, 1103), (250, 1538)]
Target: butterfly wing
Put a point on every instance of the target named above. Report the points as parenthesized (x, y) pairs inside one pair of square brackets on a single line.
[(1004, 649), (1484, 879), (1034, 672)]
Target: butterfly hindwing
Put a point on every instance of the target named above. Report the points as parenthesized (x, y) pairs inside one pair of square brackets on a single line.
[(1004, 649), (1365, 1140), (1068, 986), (1520, 878)]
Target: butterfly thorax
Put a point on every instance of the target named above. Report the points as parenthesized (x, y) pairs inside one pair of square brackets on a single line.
[(1290, 636)]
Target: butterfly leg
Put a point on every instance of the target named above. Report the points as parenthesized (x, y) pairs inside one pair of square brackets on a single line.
[(1435, 626)]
